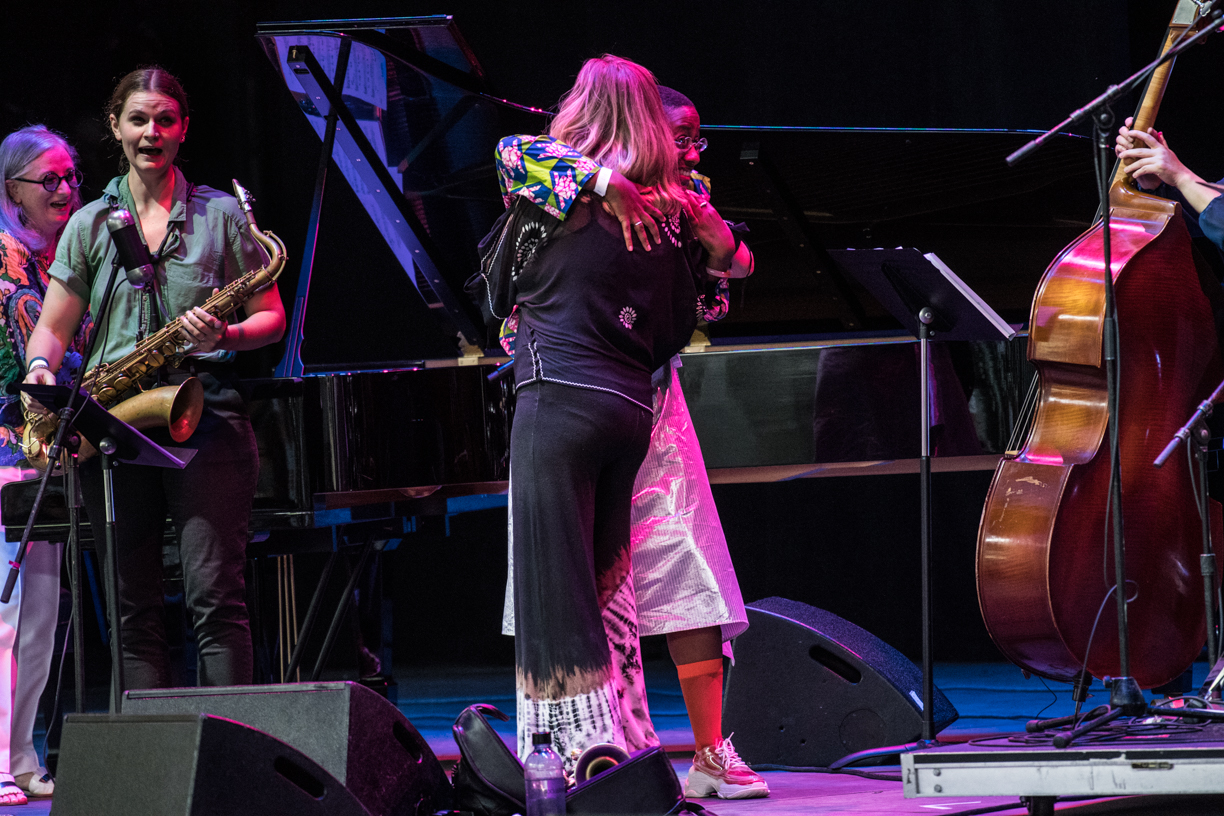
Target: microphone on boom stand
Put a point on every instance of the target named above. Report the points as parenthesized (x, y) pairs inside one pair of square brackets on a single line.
[(133, 254)]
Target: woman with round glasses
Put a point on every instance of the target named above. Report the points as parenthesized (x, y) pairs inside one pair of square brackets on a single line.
[(40, 195), (52, 182), (199, 241)]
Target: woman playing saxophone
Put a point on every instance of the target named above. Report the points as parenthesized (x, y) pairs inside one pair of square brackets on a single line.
[(200, 241)]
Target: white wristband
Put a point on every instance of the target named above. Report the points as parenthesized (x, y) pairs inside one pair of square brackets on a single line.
[(601, 181), (37, 363)]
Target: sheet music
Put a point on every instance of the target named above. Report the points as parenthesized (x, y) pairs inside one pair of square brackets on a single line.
[(383, 219), (366, 78), (998, 322)]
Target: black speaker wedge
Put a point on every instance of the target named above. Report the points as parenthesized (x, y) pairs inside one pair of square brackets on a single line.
[(188, 765), (809, 687)]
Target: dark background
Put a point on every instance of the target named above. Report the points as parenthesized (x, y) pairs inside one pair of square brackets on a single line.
[(890, 63), (817, 63)]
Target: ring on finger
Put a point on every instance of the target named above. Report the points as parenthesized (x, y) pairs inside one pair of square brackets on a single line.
[(637, 223)]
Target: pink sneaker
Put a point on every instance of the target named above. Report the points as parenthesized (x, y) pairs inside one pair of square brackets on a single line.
[(719, 771)]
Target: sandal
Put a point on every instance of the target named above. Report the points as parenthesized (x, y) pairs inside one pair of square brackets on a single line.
[(11, 795), (37, 787)]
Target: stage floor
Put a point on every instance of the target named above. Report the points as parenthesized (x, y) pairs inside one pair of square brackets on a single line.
[(992, 699)]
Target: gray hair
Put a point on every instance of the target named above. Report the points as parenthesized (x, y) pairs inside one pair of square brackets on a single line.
[(18, 150)]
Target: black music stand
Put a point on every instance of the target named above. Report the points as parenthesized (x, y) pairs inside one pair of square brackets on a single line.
[(927, 298), (116, 442)]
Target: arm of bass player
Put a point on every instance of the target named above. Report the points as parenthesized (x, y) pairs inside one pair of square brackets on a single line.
[(1154, 163)]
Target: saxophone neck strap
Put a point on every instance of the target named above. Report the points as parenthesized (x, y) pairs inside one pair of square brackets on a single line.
[(168, 243)]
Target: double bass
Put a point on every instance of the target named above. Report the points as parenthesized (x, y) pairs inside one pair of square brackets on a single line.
[(1045, 567)]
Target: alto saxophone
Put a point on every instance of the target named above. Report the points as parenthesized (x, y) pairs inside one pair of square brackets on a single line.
[(177, 408)]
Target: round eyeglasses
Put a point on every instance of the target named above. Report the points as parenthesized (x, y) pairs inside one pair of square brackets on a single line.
[(685, 142), (51, 182)]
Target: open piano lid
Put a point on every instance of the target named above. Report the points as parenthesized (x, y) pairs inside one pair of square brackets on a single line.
[(414, 139)]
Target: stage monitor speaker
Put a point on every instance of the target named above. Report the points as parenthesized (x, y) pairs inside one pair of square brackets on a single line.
[(188, 765), (808, 688), (353, 733)]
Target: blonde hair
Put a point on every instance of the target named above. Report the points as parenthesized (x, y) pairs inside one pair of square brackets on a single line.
[(613, 114)]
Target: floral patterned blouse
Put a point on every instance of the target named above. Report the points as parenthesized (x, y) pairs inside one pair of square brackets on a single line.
[(23, 284), (551, 173)]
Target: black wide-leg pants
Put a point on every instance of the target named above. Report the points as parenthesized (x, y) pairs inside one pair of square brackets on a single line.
[(575, 453)]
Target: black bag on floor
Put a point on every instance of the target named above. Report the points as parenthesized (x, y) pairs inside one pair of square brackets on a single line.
[(489, 778)]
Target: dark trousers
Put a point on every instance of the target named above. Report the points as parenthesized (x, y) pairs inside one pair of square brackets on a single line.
[(209, 504), (574, 453)]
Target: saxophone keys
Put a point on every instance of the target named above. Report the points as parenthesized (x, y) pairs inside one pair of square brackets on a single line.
[(107, 393), (156, 358)]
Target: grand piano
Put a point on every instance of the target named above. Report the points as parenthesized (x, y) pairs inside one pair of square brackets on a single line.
[(383, 409), (416, 126)]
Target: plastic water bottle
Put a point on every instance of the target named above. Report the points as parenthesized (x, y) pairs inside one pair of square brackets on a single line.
[(545, 775)]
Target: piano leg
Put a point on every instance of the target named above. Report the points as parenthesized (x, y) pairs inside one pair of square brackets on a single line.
[(312, 612), (367, 549)]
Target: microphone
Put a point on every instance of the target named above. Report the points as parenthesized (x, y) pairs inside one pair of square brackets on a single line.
[(133, 254)]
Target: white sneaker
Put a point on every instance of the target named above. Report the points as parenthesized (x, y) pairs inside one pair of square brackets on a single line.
[(719, 771)]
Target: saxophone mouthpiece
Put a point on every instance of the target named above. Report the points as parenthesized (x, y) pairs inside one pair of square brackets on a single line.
[(244, 197)]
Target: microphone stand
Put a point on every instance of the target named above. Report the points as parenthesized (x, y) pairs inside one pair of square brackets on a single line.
[(1196, 426), (67, 416), (1125, 698)]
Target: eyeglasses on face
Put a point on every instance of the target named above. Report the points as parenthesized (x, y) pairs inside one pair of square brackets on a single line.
[(685, 142), (51, 182)]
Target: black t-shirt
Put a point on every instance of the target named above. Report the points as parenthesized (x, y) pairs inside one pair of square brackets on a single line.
[(595, 315)]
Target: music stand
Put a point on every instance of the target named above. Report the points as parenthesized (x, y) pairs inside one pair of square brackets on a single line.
[(116, 442), (927, 298)]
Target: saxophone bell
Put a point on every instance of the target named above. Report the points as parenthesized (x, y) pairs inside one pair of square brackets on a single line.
[(177, 408)]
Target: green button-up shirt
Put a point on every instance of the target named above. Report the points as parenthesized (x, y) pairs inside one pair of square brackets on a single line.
[(208, 245)]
